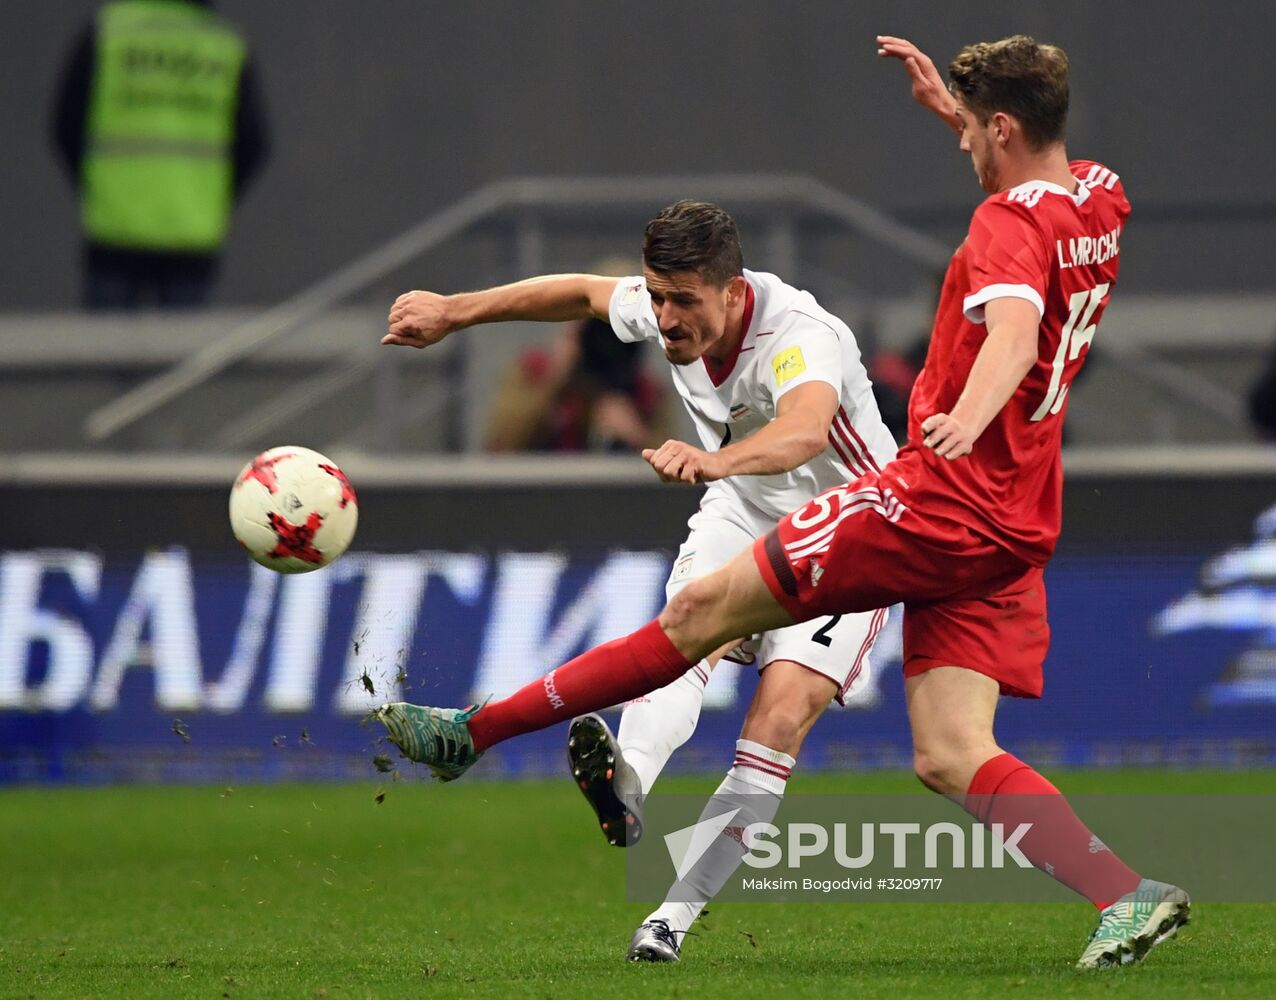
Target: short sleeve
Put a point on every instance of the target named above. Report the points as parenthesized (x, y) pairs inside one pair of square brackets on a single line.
[(807, 351), (630, 312), (1006, 257)]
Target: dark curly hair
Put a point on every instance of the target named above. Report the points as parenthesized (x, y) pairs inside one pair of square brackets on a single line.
[(1020, 77), (694, 236)]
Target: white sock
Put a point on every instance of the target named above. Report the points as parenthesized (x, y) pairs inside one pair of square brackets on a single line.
[(653, 727), (754, 787)]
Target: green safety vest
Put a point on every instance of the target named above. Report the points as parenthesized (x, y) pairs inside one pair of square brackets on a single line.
[(158, 172)]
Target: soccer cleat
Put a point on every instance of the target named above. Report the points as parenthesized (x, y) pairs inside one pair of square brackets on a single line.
[(436, 737), (597, 767), (654, 942), (1135, 924)]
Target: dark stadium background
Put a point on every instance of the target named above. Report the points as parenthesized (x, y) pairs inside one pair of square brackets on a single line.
[(385, 112)]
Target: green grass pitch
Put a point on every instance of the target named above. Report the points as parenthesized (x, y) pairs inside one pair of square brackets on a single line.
[(507, 890)]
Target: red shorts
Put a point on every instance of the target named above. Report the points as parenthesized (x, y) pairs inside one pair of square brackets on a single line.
[(967, 602)]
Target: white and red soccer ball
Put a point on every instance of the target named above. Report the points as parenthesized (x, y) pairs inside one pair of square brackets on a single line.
[(293, 509)]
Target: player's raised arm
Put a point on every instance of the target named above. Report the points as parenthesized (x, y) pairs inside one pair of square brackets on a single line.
[(420, 318), (929, 89), (1007, 355)]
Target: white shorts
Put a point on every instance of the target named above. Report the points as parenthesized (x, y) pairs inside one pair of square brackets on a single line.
[(837, 647)]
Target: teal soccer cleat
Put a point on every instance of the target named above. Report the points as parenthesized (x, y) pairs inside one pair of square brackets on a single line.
[(436, 737), (1135, 924)]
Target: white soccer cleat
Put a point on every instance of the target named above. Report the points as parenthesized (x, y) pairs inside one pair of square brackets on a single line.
[(1135, 924), (654, 942)]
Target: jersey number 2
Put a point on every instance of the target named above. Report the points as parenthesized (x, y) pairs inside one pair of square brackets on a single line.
[(822, 636), (1077, 333)]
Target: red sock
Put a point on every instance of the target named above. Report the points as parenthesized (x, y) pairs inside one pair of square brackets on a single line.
[(1006, 790), (606, 675)]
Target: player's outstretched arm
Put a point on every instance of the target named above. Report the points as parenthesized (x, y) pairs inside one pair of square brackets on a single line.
[(1007, 355), (420, 318), (929, 89)]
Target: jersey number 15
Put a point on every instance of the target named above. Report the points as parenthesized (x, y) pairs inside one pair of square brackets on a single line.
[(1077, 334)]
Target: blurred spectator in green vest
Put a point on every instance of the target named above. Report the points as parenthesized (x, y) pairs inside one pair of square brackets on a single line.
[(159, 122)]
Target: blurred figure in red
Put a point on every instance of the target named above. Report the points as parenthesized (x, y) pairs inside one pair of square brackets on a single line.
[(893, 373), (587, 392)]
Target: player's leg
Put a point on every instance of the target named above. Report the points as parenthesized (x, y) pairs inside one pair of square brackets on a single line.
[(654, 725), (779, 580), (732, 602), (788, 700), (615, 772), (951, 711), (853, 530), (809, 665)]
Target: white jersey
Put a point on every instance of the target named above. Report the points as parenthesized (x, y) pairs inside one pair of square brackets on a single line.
[(788, 341)]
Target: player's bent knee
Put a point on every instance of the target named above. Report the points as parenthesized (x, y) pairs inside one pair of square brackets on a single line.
[(936, 772), (685, 606), (781, 726), (693, 617)]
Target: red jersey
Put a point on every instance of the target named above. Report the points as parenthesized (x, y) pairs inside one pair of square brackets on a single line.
[(1059, 251)]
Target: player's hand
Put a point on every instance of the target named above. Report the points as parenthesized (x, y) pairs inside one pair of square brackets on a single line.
[(679, 462), (929, 89), (946, 436), (418, 319)]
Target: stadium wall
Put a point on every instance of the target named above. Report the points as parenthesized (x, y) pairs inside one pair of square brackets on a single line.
[(385, 113), (136, 643)]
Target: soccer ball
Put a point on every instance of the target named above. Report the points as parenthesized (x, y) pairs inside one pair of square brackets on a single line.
[(293, 510)]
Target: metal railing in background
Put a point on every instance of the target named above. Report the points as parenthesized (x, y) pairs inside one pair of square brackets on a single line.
[(1152, 394), (524, 199)]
